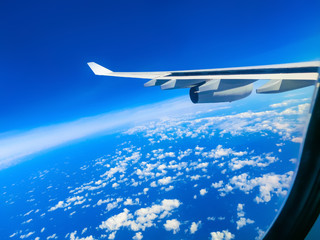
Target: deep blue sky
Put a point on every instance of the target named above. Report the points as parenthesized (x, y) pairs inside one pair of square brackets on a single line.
[(45, 45)]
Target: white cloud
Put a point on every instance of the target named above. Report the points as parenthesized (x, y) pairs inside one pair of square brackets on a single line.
[(26, 214), (84, 230), (268, 184), (224, 235), (112, 236), (260, 234), (60, 204), (296, 110), (297, 139), (293, 160), (162, 167), (27, 221), (129, 201), (76, 200), (201, 165), (255, 161), (112, 205), (138, 236), (288, 102), (240, 210), (115, 185), (185, 153), (115, 222), (169, 188), (217, 184), (218, 152), (26, 235), (165, 181), (153, 184), (145, 190), (172, 225), (262, 122), (113, 171), (142, 218), (195, 177), (203, 192), (100, 202), (53, 236), (194, 227), (13, 234), (165, 155), (243, 221)]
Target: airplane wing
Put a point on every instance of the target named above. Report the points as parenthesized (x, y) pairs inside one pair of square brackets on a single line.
[(226, 84)]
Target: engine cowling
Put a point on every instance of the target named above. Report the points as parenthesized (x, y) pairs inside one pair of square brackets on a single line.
[(197, 95)]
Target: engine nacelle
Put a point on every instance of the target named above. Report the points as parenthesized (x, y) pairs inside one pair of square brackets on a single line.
[(214, 96)]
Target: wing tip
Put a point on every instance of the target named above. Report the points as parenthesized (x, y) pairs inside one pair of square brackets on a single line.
[(98, 69)]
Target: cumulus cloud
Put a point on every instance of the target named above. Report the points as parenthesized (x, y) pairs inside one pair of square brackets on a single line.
[(172, 225), (288, 102), (243, 221), (202, 165), (240, 210), (129, 201), (138, 236), (217, 184), (53, 236), (255, 161), (115, 222), (194, 227), (280, 121), (297, 139), (267, 184), (165, 181), (224, 235), (26, 235), (261, 234), (115, 185), (60, 204), (142, 218), (76, 200), (112, 236), (203, 192)]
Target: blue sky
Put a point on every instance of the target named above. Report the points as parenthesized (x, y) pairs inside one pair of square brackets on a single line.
[(45, 47)]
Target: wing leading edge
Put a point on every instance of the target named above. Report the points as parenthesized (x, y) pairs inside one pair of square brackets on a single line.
[(226, 84)]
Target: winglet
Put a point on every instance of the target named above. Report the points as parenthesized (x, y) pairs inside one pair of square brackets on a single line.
[(99, 70)]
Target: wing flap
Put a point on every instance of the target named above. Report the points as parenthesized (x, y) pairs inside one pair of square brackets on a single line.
[(176, 84), (277, 86)]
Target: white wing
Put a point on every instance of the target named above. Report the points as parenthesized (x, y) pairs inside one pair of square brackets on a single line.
[(226, 84)]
